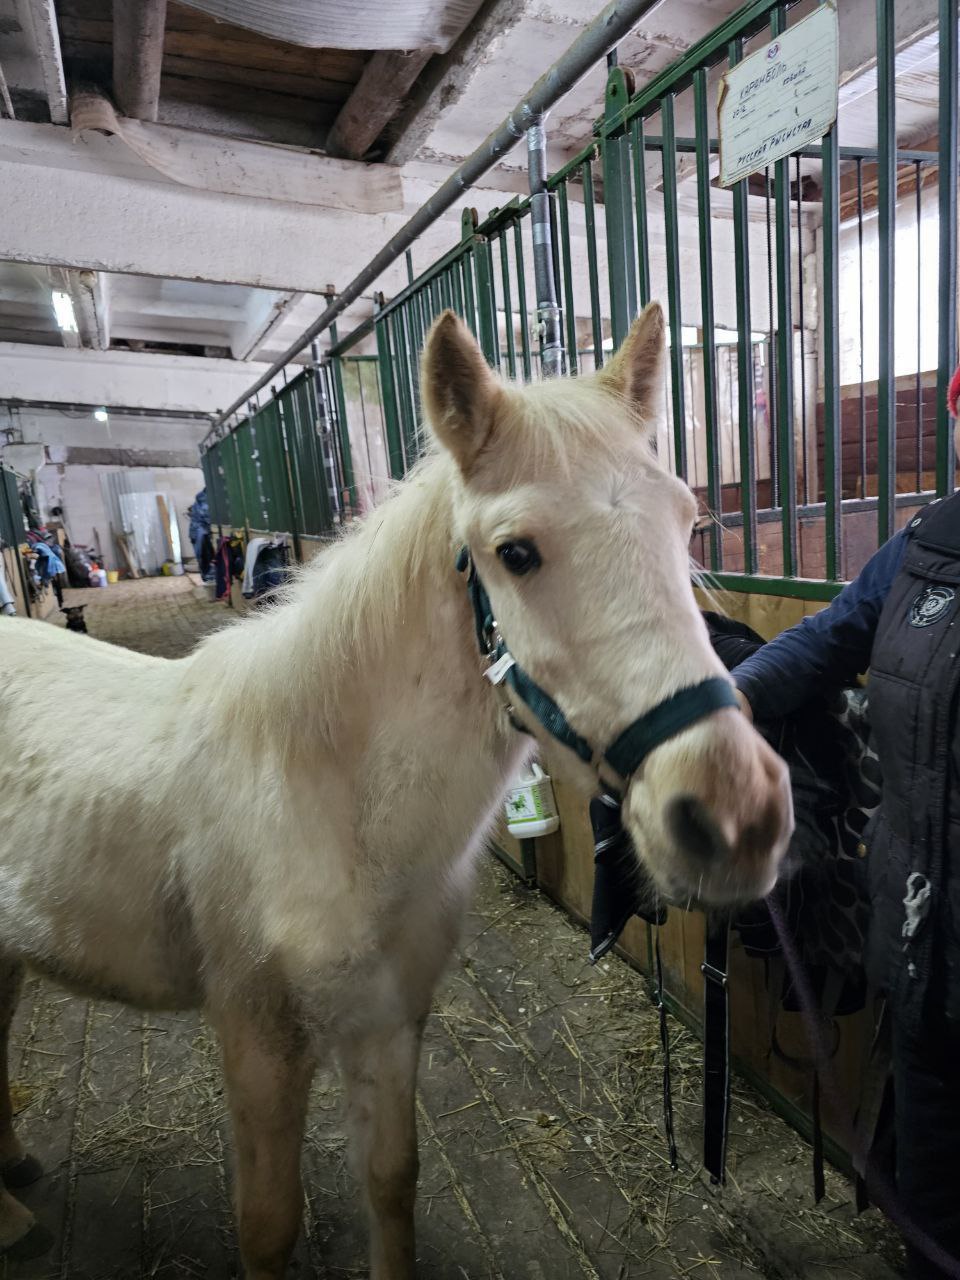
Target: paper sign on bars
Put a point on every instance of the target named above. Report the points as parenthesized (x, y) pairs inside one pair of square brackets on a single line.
[(781, 98)]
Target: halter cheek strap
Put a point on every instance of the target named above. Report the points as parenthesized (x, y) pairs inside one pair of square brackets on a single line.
[(627, 752)]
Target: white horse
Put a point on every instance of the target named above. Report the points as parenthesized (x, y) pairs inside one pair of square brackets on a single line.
[(280, 828)]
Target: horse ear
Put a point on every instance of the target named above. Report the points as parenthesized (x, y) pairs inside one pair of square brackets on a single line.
[(460, 392), (635, 370)]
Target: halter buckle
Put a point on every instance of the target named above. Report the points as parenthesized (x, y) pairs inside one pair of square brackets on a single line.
[(496, 672)]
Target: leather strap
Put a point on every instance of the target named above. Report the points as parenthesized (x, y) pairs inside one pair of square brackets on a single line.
[(716, 1051), (632, 747), (666, 720), (665, 1045)]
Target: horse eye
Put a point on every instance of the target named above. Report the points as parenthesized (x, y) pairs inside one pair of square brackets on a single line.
[(519, 557)]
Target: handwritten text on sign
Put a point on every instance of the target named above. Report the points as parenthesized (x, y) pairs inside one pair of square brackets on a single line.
[(781, 98)]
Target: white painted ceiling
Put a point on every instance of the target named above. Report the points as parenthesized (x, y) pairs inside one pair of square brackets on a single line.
[(157, 316)]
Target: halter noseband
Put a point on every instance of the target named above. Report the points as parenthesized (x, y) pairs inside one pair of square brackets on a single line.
[(627, 752)]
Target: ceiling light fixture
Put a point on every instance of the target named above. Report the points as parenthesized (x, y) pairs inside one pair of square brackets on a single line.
[(63, 309), (101, 415)]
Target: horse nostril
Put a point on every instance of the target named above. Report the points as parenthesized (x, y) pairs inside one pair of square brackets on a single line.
[(693, 829)]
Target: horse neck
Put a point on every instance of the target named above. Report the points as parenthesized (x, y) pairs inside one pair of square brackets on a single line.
[(377, 624)]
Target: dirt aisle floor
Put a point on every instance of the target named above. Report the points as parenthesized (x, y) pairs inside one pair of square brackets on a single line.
[(540, 1115)]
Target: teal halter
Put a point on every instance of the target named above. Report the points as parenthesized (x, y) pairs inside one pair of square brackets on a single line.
[(627, 752)]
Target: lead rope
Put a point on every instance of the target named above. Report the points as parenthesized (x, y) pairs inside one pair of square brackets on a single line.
[(884, 1195), (716, 1050), (665, 1045)]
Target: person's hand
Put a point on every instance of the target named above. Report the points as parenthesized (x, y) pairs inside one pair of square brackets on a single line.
[(745, 706)]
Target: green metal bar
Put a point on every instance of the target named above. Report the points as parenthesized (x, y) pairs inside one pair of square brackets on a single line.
[(748, 20), (415, 333), (639, 149), (500, 218), (710, 407), (785, 407), (492, 290), (793, 588), (590, 225), (408, 324), (614, 155), (671, 228), (507, 305), (405, 399), (746, 375), (437, 269), (388, 399), (343, 428), (830, 307), (801, 334), (918, 388), (947, 269), (363, 417), (486, 303), (557, 179), (886, 230), (469, 292), (772, 404), (456, 281), (814, 152), (568, 304), (522, 302)]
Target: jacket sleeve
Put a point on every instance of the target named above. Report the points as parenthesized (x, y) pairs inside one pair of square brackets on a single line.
[(830, 648)]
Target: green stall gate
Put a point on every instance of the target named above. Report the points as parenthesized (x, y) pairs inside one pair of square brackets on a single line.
[(812, 315)]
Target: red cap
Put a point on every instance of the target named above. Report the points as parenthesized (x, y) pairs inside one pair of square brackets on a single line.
[(953, 393)]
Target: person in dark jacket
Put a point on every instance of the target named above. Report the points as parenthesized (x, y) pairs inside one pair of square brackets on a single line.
[(901, 620)]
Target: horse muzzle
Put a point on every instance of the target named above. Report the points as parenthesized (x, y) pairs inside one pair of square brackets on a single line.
[(712, 814)]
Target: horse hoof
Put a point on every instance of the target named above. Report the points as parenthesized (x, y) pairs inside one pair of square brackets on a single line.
[(36, 1242), (21, 1173)]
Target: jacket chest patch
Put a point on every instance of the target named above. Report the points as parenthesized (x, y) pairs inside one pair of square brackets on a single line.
[(931, 605)]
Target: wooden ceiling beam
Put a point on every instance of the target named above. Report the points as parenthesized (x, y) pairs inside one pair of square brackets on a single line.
[(448, 76), (39, 19), (377, 97), (137, 56)]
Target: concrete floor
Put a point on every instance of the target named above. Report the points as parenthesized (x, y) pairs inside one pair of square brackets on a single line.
[(541, 1135)]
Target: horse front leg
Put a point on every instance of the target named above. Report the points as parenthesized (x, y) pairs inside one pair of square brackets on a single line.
[(21, 1236), (17, 1168), (380, 1074), (267, 1070)]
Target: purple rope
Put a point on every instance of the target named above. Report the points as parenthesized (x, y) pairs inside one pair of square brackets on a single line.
[(882, 1193)]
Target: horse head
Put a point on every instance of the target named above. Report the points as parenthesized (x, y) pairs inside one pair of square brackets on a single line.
[(580, 539)]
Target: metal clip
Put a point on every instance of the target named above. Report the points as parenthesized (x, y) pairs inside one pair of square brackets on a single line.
[(497, 671), (916, 903), (714, 975)]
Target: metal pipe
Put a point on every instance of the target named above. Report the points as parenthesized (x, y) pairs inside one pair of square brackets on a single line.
[(548, 312), (120, 411), (607, 29)]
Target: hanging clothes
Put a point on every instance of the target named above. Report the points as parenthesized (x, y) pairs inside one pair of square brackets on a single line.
[(200, 536), (228, 565), (7, 603), (254, 547), (49, 564), (270, 570)]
